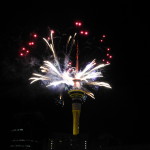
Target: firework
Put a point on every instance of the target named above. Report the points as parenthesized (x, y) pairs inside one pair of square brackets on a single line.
[(69, 77)]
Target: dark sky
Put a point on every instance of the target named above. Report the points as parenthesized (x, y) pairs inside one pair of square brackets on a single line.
[(122, 112)]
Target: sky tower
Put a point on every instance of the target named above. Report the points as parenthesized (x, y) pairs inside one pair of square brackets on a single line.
[(76, 95)]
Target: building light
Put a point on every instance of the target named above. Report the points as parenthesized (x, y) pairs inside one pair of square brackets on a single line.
[(85, 145)]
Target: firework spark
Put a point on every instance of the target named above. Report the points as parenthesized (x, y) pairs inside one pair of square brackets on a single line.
[(66, 77)]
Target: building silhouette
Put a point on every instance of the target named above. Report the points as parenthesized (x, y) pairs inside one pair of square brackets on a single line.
[(25, 132)]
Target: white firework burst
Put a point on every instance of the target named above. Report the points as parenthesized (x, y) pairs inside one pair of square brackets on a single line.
[(68, 77)]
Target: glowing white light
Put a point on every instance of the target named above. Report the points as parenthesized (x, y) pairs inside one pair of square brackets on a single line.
[(52, 74)]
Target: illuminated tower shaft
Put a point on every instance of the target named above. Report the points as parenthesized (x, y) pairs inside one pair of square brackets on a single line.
[(76, 109), (77, 96)]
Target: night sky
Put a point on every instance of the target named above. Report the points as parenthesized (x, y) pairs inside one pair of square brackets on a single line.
[(122, 112)]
